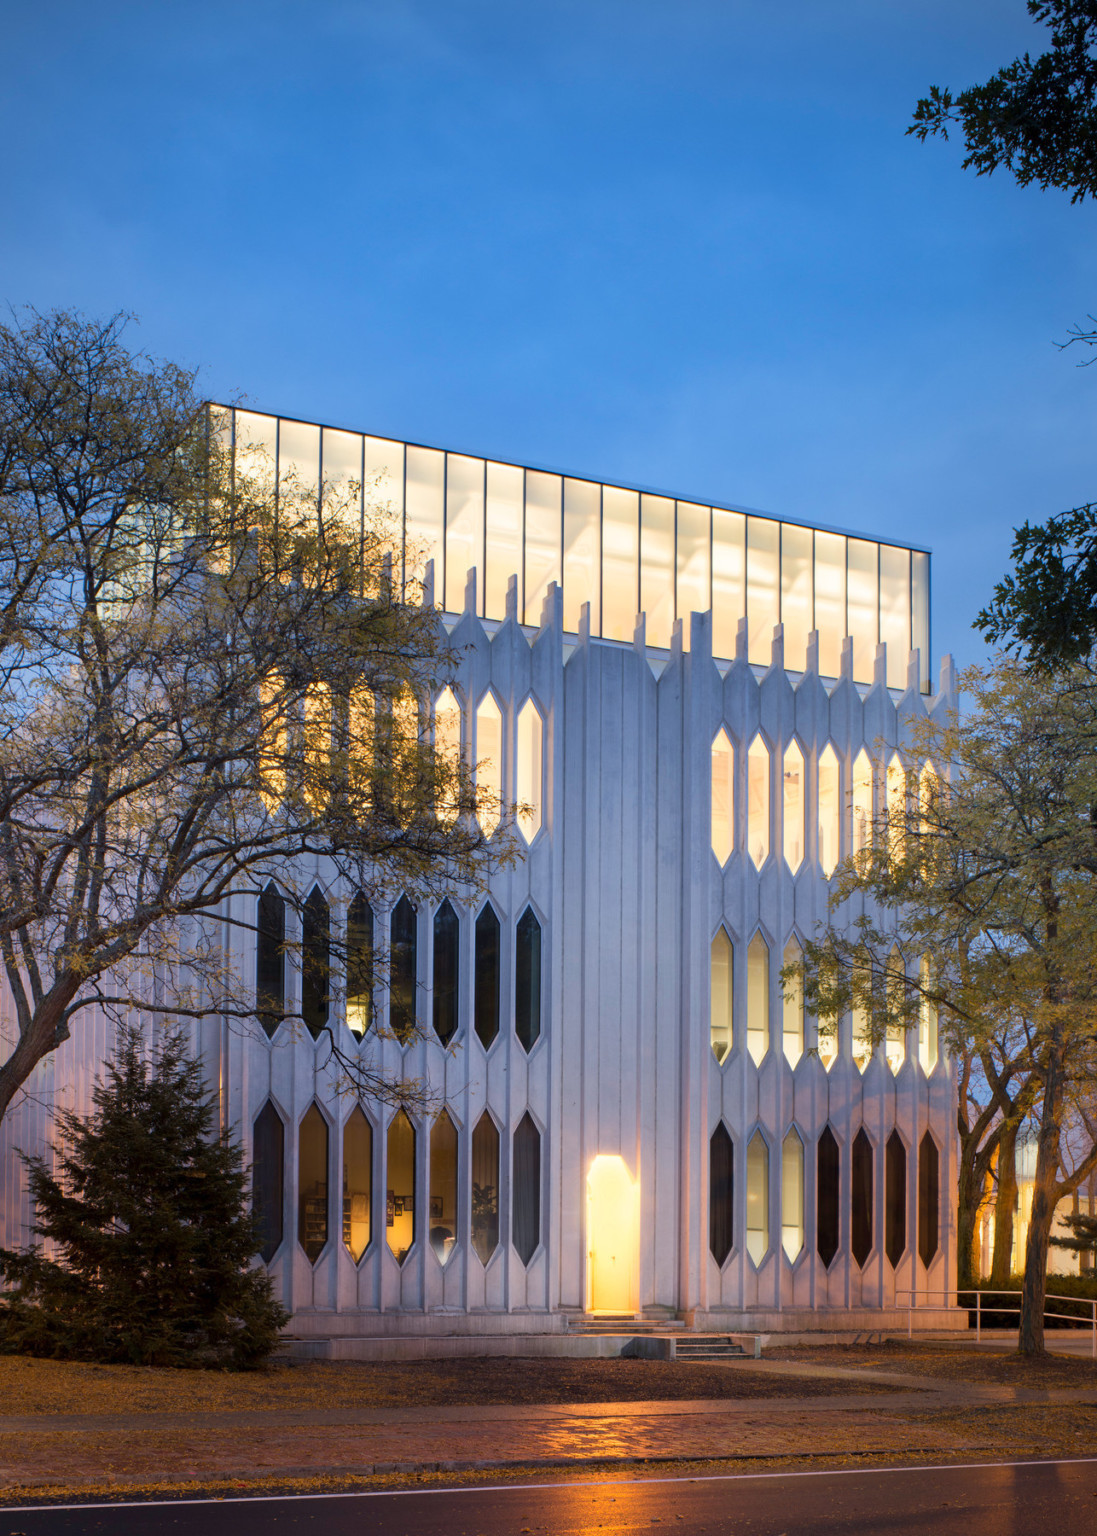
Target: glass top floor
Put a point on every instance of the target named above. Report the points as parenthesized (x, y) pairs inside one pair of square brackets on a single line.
[(622, 550)]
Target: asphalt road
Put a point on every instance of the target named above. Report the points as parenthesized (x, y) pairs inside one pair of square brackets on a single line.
[(1007, 1499)]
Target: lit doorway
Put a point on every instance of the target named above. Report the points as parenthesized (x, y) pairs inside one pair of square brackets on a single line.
[(613, 1236)]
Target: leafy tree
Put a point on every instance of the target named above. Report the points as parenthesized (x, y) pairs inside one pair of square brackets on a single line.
[(207, 681), (978, 898), (150, 1229)]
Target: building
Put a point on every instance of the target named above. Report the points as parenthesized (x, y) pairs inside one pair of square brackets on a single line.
[(635, 1118)]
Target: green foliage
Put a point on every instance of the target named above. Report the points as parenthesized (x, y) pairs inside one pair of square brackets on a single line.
[(151, 1229), (1083, 1236), (1048, 605)]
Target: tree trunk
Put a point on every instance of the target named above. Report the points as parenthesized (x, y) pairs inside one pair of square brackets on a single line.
[(1045, 1195), (1006, 1206), (968, 1200)]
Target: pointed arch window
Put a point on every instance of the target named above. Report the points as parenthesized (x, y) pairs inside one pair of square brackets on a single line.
[(489, 764), (862, 1038), (792, 1195), (316, 756), (442, 1232), (527, 980), (721, 1191), (895, 1198), (830, 818), (721, 994), (403, 970), (929, 1199), (270, 958), (447, 749), (758, 802), (486, 979), (359, 964), (861, 1205), (793, 1006), (896, 809), (526, 1213), (757, 1198), (357, 1183), (927, 1017), (447, 972), (315, 961), (827, 1197), (530, 770), (723, 797), (268, 1176), (895, 1046), (312, 1183), (861, 797), (793, 817), (485, 1187), (400, 1225), (757, 998)]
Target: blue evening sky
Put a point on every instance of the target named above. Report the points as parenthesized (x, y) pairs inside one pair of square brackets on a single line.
[(682, 243)]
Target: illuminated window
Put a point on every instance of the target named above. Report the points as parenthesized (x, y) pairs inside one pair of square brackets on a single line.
[(268, 1176), (312, 1183), (827, 1043), (526, 1212), (485, 1188), (862, 1038), (527, 979), (447, 971), (830, 809), (827, 1188), (359, 964), (927, 1019), (929, 1199), (895, 1047), (721, 973), (403, 970), (315, 961), (895, 1198), (723, 797), (530, 770), (357, 1183), (793, 1010), (447, 747), (757, 1198), (861, 1190), (792, 1195), (270, 958), (862, 803), (721, 1189), (400, 1194), (794, 807), (757, 998), (489, 764), (442, 1232), (758, 801), (896, 809), (486, 976)]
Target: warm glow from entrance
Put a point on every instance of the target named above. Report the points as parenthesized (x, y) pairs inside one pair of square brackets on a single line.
[(613, 1232)]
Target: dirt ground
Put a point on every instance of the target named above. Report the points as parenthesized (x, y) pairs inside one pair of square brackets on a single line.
[(953, 1363)]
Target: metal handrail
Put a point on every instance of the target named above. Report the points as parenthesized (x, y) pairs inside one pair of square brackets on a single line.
[(1066, 1317)]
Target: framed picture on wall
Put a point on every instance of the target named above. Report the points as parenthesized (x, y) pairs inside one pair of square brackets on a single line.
[(390, 1209), (435, 1207)]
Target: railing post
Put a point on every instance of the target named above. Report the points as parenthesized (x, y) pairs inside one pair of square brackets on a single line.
[(978, 1315)]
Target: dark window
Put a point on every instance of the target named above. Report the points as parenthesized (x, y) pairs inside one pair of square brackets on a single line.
[(312, 1183), (315, 961), (721, 1189), (360, 964), (929, 1198), (827, 1197), (447, 970), (270, 958), (895, 1198), (485, 1187), (527, 979), (403, 969), (861, 1212), (268, 1175), (486, 978), (526, 1212)]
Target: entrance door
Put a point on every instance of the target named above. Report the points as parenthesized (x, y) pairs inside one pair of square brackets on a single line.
[(612, 1236)]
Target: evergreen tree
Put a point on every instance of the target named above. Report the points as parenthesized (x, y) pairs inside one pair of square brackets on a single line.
[(151, 1230), (1083, 1234)]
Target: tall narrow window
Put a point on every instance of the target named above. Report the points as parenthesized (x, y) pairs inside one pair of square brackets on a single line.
[(895, 1046), (403, 970), (485, 1187), (794, 807), (721, 1190), (758, 801), (527, 980), (827, 1197), (927, 1018), (793, 1010), (316, 754), (268, 1179), (757, 998), (830, 820), (862, 802), (827, 1043), (723, 797), (400, 1196), (861, 1208), (792, 1195), (489, 764), (443, 1187), (530, 770), (757, 1198), (721, 976), (862, 1039), (359, 964), (447, 748), (526, 1213), (312, 1183), (447, 971), (929, 1198), (357, 1183), (315, 961), (895, 1198), (896, 809), (270, 958), (486, 978)]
